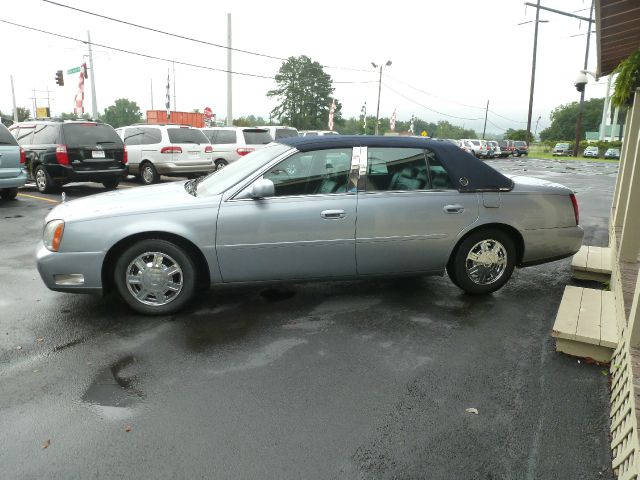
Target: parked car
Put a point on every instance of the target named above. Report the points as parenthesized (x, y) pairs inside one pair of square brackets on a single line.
[(466, 145), (57, 153), (520, 148), (495, 148), (591, 151), (472, 144), (612, 154), (231, 143), (313, 133), (507, 147), (485, 150), (171, 150), (13, 174), (277, 132), (311, 208), (562, 149)]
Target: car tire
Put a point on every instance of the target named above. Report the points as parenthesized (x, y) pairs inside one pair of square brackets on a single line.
[(483, 275), (9, 193), (44, 182), (221, 163), (154, 292), (111, 184), (148, 174)]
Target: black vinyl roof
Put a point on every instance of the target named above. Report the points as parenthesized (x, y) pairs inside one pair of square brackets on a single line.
[(468, 173)]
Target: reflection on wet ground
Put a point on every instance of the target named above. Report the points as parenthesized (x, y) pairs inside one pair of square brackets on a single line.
[(112, 387)]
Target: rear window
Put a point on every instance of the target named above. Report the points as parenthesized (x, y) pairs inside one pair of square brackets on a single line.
[(6, 138), (186, 135), (45, 135), (90, 134), (285, 132), (520, 144), (475, 142), (257, 136)]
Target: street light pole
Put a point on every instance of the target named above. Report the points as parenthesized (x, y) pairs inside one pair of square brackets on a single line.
[(533, 72), (379, 90), (576, 146)]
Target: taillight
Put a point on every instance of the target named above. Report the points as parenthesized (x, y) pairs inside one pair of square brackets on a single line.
[(576, 212), (125, 155), (62, 157), (23, 156), (171, 150), (243, 151), (208, 149)]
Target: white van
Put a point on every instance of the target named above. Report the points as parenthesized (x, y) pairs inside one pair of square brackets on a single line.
[(277, 131), (231, 143)]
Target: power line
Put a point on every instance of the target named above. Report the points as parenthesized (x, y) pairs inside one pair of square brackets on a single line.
[(430, 109), (130, 52), (432, 94), (506, 118), (191, 39), (497, 126)]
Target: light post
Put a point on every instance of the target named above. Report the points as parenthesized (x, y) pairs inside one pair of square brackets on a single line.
[(388, 64)]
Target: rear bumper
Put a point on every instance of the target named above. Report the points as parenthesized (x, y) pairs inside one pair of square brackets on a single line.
[(14, 182), (549, 244), (172, 168), (66, 174), (73, 272)]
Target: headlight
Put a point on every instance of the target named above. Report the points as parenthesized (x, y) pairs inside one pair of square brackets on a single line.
[(52, 235)]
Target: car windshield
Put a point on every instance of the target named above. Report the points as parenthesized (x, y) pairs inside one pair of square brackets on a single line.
[(225, 178), (186, 135), (90, 134)]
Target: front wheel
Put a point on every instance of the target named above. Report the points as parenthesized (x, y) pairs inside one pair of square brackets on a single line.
[(483, 262), (155, 277)]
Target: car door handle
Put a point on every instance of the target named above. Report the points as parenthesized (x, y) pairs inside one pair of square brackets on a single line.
[(453, 209), (329, 214)]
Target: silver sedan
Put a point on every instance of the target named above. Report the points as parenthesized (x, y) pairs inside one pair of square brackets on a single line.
[(309, 208)]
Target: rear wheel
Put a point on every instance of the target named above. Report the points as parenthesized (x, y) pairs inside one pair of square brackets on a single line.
[(483, 262), (9, 193), (44, 182), (221, 163), (148, 174), (155, 277), (111, 184)]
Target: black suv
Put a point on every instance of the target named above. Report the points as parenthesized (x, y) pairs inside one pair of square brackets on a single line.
[(78, 151)]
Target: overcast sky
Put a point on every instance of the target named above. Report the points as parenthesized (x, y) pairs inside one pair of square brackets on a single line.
[(464, 51)]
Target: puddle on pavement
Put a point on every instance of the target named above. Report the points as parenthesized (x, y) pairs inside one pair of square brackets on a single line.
[(113, 388), (276, 294)]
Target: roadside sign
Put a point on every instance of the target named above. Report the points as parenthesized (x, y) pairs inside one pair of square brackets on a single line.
[(208, 113), (424, 133), (42, 112), (73, 70)]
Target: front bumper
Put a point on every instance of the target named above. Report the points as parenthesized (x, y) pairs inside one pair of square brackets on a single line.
[(73, 272), (14, 182)]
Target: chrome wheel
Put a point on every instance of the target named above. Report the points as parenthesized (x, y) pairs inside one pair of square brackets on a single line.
[(486, 262), (154, 278), (41, 179), (147, 174)]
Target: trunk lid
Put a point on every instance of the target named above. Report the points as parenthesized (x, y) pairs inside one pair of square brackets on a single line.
[(93, 146)]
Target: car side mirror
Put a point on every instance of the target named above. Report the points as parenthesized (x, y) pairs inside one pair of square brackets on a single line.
[(262, 188)]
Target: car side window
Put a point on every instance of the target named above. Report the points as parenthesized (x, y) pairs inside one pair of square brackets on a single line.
[(319, 172), (24, 135), (225, 137), (45, 135), (151, 136), (439, 177), (393, 169), (133, 136)]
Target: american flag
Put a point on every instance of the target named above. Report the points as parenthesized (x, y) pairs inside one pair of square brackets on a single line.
[(411, 126), (79, 100), (392, 122), (363, 110), (168, 101), (332, 109)]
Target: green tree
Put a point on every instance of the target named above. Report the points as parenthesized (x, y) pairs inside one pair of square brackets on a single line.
[(564, 118), (444, 129), (74, 116), (23, 113), (250, 121), (122, 112), (520, 134), (304, 94)]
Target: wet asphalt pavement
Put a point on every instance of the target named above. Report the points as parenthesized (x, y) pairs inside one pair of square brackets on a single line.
[(317, 381)]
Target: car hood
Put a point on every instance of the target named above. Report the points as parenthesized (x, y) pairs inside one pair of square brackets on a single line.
[(129, 201), (524, 184)]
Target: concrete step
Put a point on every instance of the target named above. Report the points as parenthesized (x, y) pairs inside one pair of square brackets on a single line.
[(592, 263), (586, 325)]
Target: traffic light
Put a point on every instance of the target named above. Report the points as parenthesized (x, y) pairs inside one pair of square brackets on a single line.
[(84, 68), (59, 78)]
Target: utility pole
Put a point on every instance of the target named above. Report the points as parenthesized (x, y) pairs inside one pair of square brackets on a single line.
[(581, 110), (13, 96), (229, 76), (94, 103), (175, 106), (486, 113), (152, 93), (605, 110), (35, 105), (533, 71), (379, 89)]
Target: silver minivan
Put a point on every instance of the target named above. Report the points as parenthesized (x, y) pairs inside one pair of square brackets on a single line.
[(12, 165), (231, 143)]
